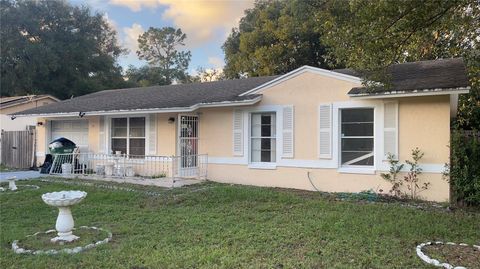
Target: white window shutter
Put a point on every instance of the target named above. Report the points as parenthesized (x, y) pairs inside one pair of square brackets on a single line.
[(152, 134), (237, 133), (287, 131), (390, 129), (325, 131), (101, 139)]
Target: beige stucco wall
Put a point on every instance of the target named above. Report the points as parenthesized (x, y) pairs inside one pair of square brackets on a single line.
[(41, 141), (93, 133), (423, 123), (166, 134), (215, 132), (328, 180)]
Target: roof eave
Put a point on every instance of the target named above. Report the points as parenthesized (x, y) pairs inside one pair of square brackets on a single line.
[(28, 101), (416, 93), (146, 111)]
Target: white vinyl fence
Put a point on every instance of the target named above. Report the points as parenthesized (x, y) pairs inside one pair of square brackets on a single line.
[(130, 166)]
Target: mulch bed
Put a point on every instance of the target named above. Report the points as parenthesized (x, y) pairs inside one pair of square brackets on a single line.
[(456, 255)]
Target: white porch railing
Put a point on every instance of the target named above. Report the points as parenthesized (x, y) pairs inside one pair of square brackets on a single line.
[(130, 166)]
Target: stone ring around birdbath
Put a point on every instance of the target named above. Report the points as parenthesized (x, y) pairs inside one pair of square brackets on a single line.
[(63, 200), (19, 249), (438, 263), (12, 186)]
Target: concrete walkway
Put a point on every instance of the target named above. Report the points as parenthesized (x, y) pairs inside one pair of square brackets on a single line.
[(20, 175), (159, 182)]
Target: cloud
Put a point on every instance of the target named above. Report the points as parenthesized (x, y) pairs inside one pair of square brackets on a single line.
[(130, 36), (202, 20), (136, 5), (216, 62), (129, 39)]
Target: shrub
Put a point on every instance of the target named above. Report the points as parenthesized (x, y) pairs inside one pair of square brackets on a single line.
[(464, 169), (412, 176), (392, 176), (410, 180)]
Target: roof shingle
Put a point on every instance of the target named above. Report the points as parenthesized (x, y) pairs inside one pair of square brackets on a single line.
[(156, 97), (419, 76)]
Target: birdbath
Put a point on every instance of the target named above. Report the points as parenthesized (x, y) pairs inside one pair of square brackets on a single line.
[(63, 200), (11, 183)]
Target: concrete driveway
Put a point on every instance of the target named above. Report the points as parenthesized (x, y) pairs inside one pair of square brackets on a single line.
[(20, 175)]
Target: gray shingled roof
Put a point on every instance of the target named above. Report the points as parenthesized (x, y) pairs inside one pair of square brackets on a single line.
[(416, 77), (422, 76), (156, 97)]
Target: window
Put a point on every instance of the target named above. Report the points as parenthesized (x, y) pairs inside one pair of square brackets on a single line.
[(263, 137), (357, 137), (128, 135)]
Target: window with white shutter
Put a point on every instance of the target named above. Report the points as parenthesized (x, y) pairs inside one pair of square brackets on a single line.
[(237, 133), (152, 134), (325, 131), (390, 126), (287, 132), (263, 137), (128, 135)]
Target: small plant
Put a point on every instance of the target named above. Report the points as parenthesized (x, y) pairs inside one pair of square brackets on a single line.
[(410, 180), (392, 175)]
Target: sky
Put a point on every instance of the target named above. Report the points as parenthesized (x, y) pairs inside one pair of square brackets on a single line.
[(206, 23)]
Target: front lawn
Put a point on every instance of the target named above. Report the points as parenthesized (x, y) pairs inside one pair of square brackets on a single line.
[(223, 226)]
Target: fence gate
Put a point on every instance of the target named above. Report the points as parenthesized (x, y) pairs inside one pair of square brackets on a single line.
[(18, 149)]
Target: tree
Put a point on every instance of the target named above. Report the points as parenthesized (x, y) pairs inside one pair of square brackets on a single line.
[(159, 47), (55, 48), (145, 76), (370, 35), (275, 37), (209, 74)]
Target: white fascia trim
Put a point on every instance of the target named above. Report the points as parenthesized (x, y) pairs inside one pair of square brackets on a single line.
[(436, 168), (299, 71), (417, 93), (155, 110), (368, 170)]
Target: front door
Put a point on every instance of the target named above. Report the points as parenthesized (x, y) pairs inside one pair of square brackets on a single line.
[(188, 145)]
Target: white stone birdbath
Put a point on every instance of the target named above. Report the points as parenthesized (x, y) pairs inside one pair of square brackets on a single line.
[(63, 200), (11, 183)]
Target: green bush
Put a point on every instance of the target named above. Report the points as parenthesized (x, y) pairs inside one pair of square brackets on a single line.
[(464, 170)]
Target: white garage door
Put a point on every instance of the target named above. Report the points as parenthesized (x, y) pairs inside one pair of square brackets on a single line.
[(74, 130)]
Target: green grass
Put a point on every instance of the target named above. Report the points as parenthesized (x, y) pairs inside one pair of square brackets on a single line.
[(4, 168), (223, 226)]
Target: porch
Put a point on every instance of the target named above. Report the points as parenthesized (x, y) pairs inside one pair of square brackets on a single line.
[(162, 171)]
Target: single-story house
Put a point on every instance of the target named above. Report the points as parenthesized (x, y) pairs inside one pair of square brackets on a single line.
[(308, 129), (14, 104)]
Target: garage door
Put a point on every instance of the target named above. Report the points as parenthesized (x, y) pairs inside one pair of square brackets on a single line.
[(74, 130)]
